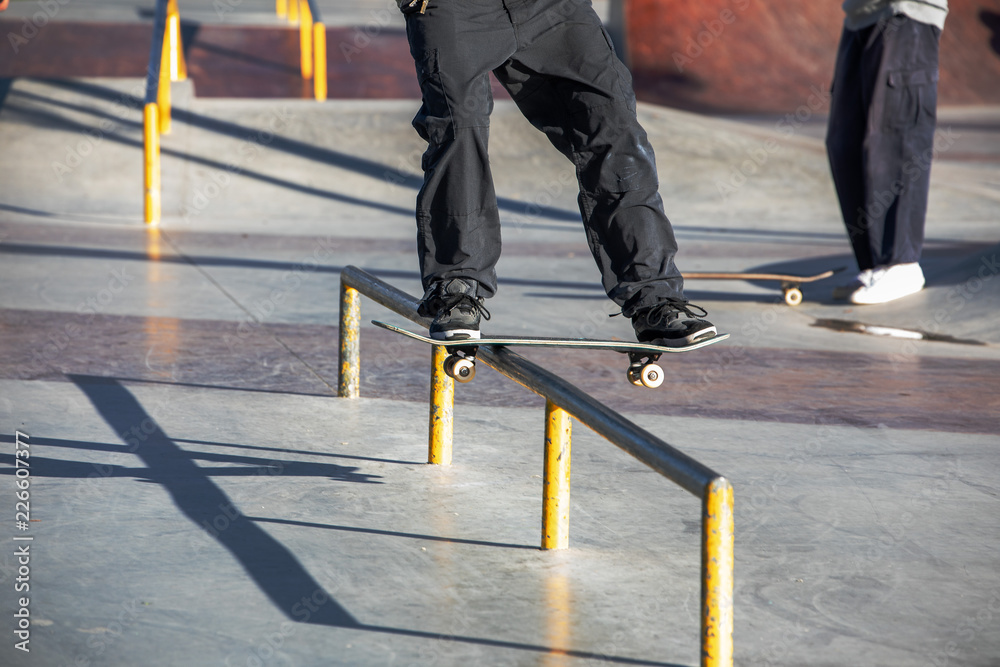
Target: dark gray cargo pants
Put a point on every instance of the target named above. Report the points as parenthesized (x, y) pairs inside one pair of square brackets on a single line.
[(880, 139), (557, 62)]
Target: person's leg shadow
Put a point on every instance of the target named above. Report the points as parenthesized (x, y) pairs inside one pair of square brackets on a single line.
[(275, 570)]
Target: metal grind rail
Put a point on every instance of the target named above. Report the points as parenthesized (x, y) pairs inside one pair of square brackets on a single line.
[(564, 401)]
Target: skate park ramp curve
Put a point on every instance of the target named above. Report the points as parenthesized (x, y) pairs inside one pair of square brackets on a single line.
[(737, 56)]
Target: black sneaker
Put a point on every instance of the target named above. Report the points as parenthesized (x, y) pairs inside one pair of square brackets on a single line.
[(455, 308), (672, 323)]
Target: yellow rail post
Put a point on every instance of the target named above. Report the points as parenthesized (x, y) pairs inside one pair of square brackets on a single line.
[(717, 566), (178, 68), (319, 55), (555, 494), (350, 345), (151, 172), (305, 40), (163, 89), (281, 8), (439, 443), (293, 10)]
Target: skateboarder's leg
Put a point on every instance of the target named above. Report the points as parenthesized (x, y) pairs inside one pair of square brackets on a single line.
[(455, 45), (568, 82)]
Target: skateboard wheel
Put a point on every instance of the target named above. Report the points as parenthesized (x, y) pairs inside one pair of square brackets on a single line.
[(649, 376), (793, 296), (460, 369)]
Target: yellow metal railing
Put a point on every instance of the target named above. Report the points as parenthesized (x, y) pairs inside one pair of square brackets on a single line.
[(564, 402), (166, 64), (312, 40)]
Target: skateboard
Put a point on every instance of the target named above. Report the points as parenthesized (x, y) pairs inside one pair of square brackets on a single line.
[(642, 371), (789, 283)]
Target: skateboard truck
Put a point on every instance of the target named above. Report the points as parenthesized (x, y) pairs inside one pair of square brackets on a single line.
[(643, 371), (460, 364)]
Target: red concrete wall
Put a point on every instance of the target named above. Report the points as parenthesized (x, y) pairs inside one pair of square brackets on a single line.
[(756, 56)]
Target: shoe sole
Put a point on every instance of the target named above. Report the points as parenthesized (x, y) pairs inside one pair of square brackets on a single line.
[(456, 334), (859, 300), (696, 337)]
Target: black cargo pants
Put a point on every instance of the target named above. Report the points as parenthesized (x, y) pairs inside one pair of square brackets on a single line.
[(557, 62), (880, 138)]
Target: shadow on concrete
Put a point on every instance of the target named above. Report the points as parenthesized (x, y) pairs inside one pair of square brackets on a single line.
[(392, 533), (56, 121), (301, 149), (275, 570), (251, 466), (269, 464), (271, 566), (26, 211), (234, 262)]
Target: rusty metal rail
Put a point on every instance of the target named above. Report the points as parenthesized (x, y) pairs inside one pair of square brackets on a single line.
[(564, 401)]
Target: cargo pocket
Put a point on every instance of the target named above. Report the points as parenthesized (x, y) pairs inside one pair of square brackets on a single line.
[(910, 97), (434, 121)]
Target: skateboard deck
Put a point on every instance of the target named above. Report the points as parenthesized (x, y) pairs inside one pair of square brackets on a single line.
[(642, 369), (789, 283)]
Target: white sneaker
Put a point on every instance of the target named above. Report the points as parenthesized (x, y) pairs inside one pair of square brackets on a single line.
[(844, 292), (890, 283)]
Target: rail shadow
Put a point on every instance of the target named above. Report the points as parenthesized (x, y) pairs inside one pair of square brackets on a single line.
[(360, 165), (271, 566)]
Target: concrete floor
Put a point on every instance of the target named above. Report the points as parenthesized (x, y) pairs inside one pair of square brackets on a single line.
[(201, 497)]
